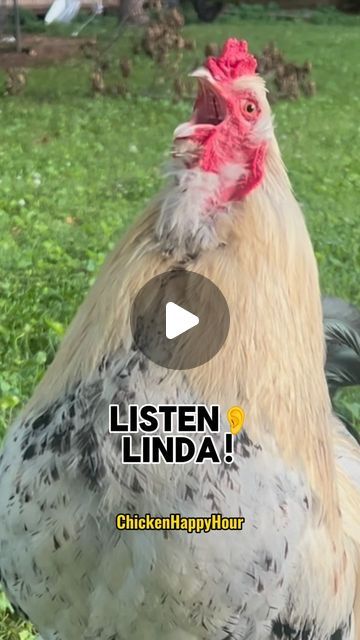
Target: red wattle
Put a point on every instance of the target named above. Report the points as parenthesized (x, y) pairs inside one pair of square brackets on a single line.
[(238, 190)]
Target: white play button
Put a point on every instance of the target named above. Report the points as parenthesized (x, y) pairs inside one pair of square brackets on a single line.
[(178, 320)]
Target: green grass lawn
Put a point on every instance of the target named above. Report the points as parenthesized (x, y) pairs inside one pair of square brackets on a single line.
[(75, 170)]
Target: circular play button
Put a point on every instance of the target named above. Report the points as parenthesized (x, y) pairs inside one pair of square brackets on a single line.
[(180, 319)]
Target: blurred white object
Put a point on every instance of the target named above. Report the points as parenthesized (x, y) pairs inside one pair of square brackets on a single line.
[(98, 8), (62, 11)]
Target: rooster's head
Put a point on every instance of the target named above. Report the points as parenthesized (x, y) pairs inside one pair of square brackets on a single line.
[(230, 128)]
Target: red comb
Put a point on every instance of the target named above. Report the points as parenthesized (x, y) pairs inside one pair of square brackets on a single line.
[(235, 61)]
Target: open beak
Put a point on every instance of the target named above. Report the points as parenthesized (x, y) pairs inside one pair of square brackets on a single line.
[(209, 109)]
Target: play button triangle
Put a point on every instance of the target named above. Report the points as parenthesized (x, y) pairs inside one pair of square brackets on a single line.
[(178, 320)]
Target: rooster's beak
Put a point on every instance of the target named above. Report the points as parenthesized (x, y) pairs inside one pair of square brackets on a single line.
[(201, 72), (210, 107)]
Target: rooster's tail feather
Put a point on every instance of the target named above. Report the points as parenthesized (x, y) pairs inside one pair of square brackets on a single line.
[(342, 333)]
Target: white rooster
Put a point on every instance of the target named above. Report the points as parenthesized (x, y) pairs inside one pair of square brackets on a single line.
[(228, 213)]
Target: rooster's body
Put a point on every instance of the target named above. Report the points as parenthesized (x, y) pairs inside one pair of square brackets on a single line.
[(293, 570)]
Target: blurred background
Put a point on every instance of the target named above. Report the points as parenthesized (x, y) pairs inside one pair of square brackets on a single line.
[(89, 97)]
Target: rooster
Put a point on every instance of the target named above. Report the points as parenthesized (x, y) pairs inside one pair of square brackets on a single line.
[(229, 214)]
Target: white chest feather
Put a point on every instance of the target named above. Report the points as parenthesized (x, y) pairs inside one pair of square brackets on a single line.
[(65, 564)]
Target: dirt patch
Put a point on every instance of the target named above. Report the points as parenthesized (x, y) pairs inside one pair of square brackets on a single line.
[(42, 51)]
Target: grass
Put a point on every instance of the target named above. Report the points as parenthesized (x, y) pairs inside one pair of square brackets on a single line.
[(75, 170)]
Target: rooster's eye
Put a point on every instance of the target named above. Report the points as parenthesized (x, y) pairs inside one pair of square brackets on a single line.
[(249, 109)]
